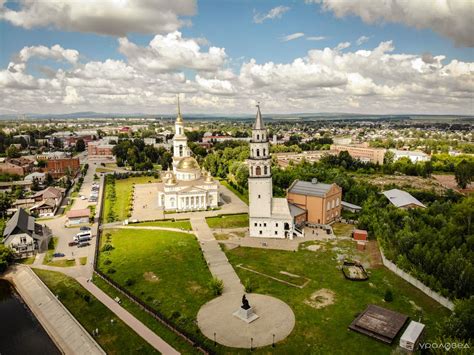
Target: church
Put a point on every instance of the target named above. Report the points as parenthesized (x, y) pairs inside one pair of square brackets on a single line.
[(186, 187), (269, 217)]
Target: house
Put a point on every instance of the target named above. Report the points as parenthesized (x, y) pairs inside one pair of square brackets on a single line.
[(25, 163), (40, 177), (12, 169), (346, 206), (99, 148), (63, 166), (410, 339), (322, 202), (75, 217), (402, 199), (24, 236), (47, 201)]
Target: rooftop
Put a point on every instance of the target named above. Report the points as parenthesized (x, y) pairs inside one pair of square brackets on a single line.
[(400, 198), (309, 188)]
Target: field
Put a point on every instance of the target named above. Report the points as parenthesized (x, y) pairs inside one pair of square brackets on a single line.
[(328, 303), (180, 224), (114, 338), (165, 269), (342, 229), (228, 221), (123, 192)]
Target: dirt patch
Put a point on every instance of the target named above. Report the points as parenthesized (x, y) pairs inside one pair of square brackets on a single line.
[(321, 298), (289, 274), (194, 286), (314, 247), (151, 277), (374, 254)]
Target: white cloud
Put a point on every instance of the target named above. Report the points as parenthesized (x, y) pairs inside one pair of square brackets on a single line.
[(377, 80), (361, 40), (109, 17), (170, 53), (315, 38), (342, 45), (292, 36), (56, 52), (450, 18), (276, 12)]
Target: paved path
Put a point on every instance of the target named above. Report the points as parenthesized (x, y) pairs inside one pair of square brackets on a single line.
[(215, 257), (63, 328), (141, 329), (216, 320), (156, 228)]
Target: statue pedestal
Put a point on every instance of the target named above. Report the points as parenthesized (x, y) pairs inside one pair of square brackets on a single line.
[(247, 315)]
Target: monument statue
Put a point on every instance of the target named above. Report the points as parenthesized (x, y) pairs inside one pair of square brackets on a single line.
[(245, 303)]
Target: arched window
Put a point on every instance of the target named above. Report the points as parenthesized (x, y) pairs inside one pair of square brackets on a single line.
[(258, 152), (328, 206), (180, 150), (265, 170), (258, 136), (264, 152), (258, 171), (333, 203), (251, 170)]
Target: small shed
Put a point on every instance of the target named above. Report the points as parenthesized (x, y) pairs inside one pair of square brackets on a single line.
[(411, 337), (78, 216), (359, 234), (346, 206)]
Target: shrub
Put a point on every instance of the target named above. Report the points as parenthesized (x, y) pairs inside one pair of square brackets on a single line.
[(217, 286), (107, 247), (111, 271), (175, 315), (129, 282), (388, 296), (87, 298), (107, 262)]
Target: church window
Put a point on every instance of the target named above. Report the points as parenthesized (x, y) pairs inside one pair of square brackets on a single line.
[(276, 232), (258, 196), (276, 224), (258, 137), (255, 224), (258, 152), (264, 152), (180, 150), (265, 169), (258, 171), (264, 224), (260, 232)]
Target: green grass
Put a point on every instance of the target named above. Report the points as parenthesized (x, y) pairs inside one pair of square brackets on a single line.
[(180, 224), (103, 170), (243, 196), (343, 229), (27, 261), (123, 191), (83, 260), (114, 338), (62, 263), (325, 330), (161, 330), (165, 269), (51, 247), (228, 221)]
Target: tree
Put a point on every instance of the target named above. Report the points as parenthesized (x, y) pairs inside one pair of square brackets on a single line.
[(389, 157), (13, 152), (5, 202), (80, 145), (6, 256), (464, 173), (460, 324), (57, 143)]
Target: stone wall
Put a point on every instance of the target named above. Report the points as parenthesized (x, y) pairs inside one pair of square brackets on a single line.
[(418, 284)]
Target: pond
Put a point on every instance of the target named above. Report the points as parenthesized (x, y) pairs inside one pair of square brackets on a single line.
[(20, 331)]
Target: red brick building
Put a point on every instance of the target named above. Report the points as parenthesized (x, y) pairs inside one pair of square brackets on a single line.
[(60, 167), (99, 148)]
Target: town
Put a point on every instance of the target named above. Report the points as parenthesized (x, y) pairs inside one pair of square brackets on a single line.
[(236, 177)]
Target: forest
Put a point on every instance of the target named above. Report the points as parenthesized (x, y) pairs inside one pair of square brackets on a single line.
[(140, 157)]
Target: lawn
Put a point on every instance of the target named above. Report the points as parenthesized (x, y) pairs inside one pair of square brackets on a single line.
[(83, 260), (228, 221), (27, 261), (180, 224), (114, 338), (62, 263), (165, 269), (51, 247), (123, 192), (342, 229), (325, 330)]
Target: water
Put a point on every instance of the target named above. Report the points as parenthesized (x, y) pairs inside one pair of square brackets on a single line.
[(20, 331)]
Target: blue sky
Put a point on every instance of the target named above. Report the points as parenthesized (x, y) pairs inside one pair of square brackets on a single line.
[(231, 25)]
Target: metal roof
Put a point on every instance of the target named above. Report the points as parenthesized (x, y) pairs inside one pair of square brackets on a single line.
[(400, 198), (21, 220), (295, 210), (309, 188), (413, 332)]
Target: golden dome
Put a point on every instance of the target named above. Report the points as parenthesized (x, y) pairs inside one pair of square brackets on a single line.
[(171, 181), (188, 163), (179, 119)]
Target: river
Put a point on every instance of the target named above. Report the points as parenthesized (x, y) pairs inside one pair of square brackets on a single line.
[(20, 331)]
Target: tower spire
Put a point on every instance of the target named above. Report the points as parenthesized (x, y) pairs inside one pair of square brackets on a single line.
[(179, 118), (179, 108), (258, 120)]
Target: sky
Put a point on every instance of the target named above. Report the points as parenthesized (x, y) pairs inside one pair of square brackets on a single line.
[(224, 56)]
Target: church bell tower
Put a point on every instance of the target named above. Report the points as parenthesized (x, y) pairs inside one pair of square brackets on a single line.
[(260, 176)]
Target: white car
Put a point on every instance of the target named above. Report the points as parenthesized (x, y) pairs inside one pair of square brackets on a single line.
[(83, 198)]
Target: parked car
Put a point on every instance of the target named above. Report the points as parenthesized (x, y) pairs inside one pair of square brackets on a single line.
[(83, 244), (58, 255), (85, 228), (83, 197), (73, 243)]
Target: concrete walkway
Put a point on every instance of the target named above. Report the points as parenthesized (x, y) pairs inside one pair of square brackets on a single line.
[(156, 228), (137, 326), (64, 329), (215, 257), (216, 320)]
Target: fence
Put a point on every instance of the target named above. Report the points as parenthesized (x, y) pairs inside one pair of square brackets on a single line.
[(415, 282), (154, 313)]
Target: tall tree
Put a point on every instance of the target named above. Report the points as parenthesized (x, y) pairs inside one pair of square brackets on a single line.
[(464, 173)]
